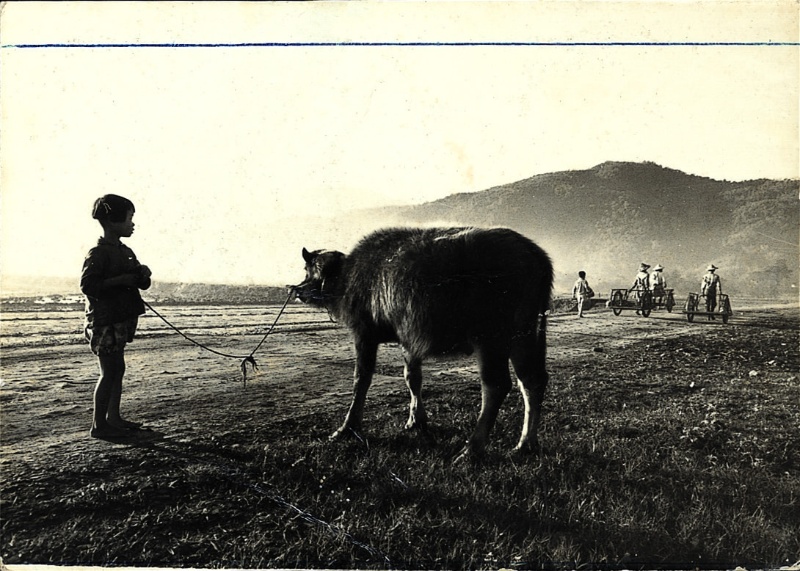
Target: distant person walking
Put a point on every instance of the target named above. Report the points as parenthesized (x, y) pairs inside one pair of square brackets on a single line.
[(711, 287), (658, 284), (111, 280), (582, 292), (641, 283)]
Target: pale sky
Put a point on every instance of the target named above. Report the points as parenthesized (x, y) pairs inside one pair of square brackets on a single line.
[(226, 150)]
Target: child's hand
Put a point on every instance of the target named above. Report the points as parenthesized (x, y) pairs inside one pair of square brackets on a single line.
[(145, 271), (131, 280), (124, 280)]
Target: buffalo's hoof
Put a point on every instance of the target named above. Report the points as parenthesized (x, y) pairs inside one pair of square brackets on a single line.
[(346, 432), (421, 432), (416, 425), (526, 449), (340, 434), (468, 455)]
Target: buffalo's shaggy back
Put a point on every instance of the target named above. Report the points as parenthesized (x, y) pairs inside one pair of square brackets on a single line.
[(440, 290), (436, 290)]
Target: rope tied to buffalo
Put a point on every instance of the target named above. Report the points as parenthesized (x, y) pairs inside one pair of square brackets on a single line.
[(246, 359)]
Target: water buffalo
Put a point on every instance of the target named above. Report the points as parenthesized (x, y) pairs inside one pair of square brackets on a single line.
[(442, 290)]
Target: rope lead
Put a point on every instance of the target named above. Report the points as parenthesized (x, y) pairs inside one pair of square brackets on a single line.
[(249, 359), (245, 359)]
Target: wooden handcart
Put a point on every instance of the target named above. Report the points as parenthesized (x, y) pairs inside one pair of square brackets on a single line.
[(696, 305), (623, 299)]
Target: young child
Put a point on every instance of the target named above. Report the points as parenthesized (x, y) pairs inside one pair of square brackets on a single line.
[(111, 280)]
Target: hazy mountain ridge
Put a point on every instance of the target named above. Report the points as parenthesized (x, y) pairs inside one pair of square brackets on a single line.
[(605, 220), (608, 218), (609, 198)]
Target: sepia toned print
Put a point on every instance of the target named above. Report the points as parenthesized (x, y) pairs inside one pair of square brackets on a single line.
[(611, 134)]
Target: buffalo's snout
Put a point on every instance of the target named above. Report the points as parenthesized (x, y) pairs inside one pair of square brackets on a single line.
[(307, 291), (299, 291)]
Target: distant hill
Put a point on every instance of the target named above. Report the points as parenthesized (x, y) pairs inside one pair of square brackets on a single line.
[(609, 218), (605, 220)]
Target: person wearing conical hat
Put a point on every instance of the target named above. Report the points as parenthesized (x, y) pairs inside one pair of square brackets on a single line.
[(641, 283), (658, 284), (711, 287), (642, 280)]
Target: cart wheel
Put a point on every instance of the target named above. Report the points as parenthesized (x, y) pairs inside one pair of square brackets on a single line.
[(647, 304), (670, 303), (616, 302), (690, 307)]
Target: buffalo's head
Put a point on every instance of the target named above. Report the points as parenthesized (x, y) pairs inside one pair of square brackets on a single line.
[(323, 269)]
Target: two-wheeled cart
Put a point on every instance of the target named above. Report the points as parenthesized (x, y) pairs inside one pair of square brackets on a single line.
[(696, 305), (637, 299), (663, 299)]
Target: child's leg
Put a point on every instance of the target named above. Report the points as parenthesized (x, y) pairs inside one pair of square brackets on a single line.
[(113, 417), (112, 368)]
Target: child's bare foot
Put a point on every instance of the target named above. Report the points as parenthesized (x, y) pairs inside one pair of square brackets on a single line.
[(125, 424), (109, 432)]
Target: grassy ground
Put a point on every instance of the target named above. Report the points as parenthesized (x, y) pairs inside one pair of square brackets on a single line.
[(677, 453)]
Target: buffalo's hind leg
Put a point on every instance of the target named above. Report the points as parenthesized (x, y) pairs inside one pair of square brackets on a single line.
[(413, 375), (366, 355), (528, 358), (495, 386)]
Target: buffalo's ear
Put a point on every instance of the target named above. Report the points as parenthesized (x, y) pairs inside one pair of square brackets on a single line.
[(307, 256)]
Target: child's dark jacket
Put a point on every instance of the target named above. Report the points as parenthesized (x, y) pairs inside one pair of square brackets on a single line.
[(105, 306)]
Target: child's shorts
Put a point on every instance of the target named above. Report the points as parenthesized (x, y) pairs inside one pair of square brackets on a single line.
[(106, 339)]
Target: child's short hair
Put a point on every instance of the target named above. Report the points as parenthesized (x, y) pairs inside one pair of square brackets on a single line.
[(111, 208), (581, 274)]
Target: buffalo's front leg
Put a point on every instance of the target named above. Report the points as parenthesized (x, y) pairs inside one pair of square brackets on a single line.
[(413, 375), (366, 354)]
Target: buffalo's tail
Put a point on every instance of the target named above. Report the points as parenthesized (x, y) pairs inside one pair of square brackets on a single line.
[(541, 337)]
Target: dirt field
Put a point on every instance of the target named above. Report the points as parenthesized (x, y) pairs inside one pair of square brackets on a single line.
[(180, 390), (188, 396)]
